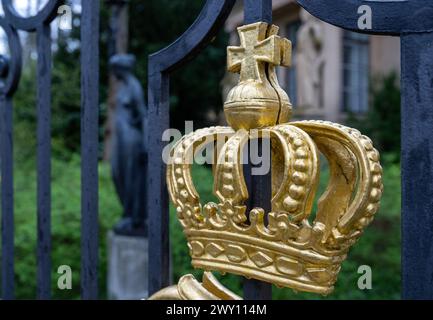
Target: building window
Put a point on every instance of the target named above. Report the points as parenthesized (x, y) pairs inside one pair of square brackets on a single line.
[(291, 87), (355, 72)]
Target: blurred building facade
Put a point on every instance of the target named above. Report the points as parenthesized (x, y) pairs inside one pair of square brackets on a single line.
[(332, 69)]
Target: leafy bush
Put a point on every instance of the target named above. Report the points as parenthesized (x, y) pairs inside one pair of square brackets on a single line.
[(65, 225)]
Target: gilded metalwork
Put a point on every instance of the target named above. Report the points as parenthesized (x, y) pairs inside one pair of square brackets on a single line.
[(258, 100), (188, 288), (295, 248)]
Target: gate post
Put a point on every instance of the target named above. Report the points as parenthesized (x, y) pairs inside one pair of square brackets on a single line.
[(417, 165)]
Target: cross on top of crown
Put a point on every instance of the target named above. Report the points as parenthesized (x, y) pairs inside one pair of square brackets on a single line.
[(259, 45)]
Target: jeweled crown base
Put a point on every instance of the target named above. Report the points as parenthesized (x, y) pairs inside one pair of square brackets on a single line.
[(294, 267)]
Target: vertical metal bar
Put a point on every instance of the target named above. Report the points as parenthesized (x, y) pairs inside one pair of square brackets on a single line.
[(257, 10), (417, 165), (89, 147), (157, 206), (260, 197), (44, 162), (260, 193), (260, 188), (7, 197)]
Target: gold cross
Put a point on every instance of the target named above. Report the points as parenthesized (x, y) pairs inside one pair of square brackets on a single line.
[(259, 45)]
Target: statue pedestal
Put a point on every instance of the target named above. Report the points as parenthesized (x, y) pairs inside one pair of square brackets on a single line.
[(127, 267)]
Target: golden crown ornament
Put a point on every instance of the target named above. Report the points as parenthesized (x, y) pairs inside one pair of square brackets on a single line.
[(294, 248)]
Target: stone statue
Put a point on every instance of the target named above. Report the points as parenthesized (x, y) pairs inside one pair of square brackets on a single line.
[(128, 157), (310, 61)]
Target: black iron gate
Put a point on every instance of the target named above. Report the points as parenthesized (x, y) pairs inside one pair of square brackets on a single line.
[(416, 31), (40, 23)]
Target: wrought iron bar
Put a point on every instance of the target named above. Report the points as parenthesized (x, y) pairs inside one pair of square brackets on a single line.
[(89, 148)]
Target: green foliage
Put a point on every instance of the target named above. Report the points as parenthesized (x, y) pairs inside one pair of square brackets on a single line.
[(24, 114), (66, 248), (382, 121), (379, 247), (66, 109), (65, 102)]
